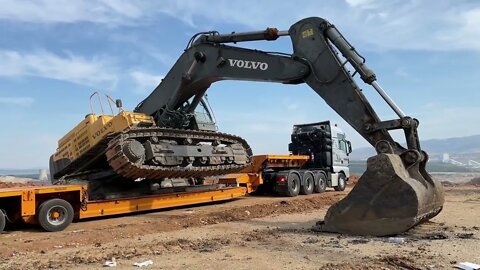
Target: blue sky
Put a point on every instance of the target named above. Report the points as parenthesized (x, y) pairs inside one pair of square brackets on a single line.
[(54, 54)]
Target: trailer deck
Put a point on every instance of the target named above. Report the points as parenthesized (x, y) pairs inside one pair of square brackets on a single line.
[(55, 207)]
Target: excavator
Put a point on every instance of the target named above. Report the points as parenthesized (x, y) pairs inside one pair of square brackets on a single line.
[(164, 138)]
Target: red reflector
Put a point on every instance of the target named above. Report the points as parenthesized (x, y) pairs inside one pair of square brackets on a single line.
[(281, 178)]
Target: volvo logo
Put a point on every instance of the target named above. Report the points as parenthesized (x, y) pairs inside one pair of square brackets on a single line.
[(102, 130), (248, 64)]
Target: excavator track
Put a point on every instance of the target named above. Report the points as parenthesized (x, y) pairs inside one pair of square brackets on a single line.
[(121, 162)]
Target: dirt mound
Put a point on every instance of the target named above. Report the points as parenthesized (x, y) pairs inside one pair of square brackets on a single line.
[(261, 210), (475, 181), (384, 262), (21, 184), (448, 184), (353, 179)]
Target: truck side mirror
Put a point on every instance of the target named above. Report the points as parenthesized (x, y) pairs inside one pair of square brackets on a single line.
[(349, 147), (118, 103)]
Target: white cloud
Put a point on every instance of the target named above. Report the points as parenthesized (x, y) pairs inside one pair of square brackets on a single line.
[(419, 25), (65, 11), (144, 48), (290, 103), (424, 25), (145, 82), (358, 3), (468, 27), (17, 101), (93, 72), (404, 74)]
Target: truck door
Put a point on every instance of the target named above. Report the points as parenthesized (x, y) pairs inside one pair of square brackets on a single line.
[(341, 149), (342, 146)]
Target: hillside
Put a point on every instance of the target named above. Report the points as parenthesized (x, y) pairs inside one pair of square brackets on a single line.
[(459, 148)]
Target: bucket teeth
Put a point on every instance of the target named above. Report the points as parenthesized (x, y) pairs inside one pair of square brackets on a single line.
[(388, 199)]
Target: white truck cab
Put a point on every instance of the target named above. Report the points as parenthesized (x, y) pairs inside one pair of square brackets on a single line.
[(341, 148), (328, 148)]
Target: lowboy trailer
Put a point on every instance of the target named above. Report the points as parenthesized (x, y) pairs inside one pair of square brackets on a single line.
[(55, 207)]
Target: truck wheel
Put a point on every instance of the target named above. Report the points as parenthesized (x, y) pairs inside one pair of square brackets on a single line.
[(321, 184), (2, 220), (308, 184), (260, 190), (293, 185), (55, 215), (341, 182)]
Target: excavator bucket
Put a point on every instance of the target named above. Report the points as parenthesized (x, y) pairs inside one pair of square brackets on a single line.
[(388, 199)]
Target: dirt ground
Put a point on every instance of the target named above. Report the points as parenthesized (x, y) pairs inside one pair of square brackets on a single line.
[(10, 181), (249, 233)]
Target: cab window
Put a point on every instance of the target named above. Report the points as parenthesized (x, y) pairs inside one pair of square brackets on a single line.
[(342, 145)]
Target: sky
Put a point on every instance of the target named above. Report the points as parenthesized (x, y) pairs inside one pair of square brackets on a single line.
[(54, 54)]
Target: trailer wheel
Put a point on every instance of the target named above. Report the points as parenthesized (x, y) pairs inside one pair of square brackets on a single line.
[(308, 184), (293, 185), (2, 220), (321, 184), (341, 182), (55, 215)]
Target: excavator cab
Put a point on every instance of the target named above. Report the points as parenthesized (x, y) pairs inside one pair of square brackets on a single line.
[(203, 118)]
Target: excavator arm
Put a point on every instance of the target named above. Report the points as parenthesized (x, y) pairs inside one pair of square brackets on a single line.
[(393, 195)]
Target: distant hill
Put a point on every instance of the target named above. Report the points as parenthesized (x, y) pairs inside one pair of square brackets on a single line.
[(358, 167), (459, 148), (29, 173), (459, 145)]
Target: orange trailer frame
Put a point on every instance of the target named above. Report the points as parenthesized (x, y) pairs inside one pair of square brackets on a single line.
[(251, 177), (24, 203)]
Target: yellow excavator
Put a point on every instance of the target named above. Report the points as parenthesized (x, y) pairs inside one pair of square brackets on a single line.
[(171, 136)]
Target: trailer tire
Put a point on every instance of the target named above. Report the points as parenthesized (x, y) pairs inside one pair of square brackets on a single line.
[(308, 183), (293, 185), (2, 221), (55, 215), (321, 183), (260, 190), (341, 182)]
